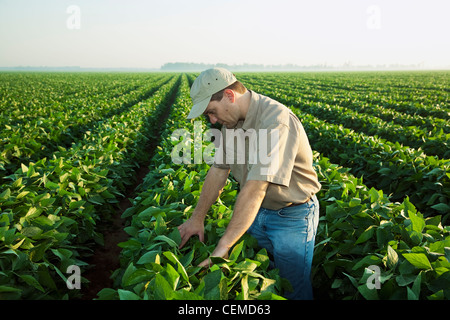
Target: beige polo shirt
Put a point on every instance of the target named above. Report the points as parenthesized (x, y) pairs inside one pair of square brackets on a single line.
[(270, 145)]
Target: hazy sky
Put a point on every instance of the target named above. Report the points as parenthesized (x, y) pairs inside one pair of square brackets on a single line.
[(147, 34)]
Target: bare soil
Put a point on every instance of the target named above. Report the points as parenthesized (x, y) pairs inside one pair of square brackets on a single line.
[(106, 258)]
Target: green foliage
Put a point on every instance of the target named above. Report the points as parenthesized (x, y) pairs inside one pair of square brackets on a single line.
[(44, 113), (50, 208), (345, 116), (361, 227)]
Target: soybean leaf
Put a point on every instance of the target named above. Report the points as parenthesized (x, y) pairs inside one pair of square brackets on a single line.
[(417, 221), (414, 293), (148, 257), (160, 225), (162, 288), (267, 295), (391, 258), (128, 271), (9, 289), (137, 276), (180, 267), (441, 207), (236, 251), (212, 281), (172, 276), (263, 258), (419, 260), (366, 235), (32, 282), (5, 194), (76, 204), (369, 294), (245, 266), (167, 240), (243, 295), (127, 295), (187, 258), (175, 236)]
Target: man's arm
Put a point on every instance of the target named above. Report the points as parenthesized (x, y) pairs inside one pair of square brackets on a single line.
[(246, 208), (212, 188)]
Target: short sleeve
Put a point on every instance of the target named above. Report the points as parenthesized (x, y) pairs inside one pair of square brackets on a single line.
[(276, 150)]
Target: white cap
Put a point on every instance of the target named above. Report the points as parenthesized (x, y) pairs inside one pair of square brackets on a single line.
[(208, 83)]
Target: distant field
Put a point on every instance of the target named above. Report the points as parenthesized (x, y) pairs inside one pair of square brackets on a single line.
[(71, 145)]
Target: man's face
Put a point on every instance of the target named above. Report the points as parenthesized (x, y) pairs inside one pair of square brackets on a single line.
[(223, 112)]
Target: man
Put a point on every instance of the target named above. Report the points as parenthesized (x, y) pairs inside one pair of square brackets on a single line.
[(276, 203)]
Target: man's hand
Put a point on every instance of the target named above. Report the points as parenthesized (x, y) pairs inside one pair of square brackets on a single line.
[(213, 186), (191, 227), (246, 208)]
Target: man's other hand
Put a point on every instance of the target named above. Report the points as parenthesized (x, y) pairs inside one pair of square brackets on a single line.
[(189, 228), (220, 251)]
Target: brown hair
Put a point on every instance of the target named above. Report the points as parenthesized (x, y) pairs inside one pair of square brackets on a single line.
[(236, 86)]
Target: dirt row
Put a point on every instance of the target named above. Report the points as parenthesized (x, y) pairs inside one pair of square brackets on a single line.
[(106, 258)]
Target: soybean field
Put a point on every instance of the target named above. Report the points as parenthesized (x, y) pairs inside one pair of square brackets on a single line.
[(87, 155)]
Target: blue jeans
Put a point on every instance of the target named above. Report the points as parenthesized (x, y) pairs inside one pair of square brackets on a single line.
[(288, 235)]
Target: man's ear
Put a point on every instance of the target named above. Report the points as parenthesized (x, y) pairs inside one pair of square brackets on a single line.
[(230, 95)]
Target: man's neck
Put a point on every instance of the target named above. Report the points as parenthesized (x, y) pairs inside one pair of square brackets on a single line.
[(244, 103)]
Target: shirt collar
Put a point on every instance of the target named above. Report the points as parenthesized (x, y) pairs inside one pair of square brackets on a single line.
[(250, 118)]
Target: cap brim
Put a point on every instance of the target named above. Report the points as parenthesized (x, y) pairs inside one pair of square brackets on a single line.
[(198, 108)]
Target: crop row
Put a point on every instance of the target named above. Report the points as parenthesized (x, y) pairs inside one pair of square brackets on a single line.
[(23, 92), (60, 125), (32, 97), (434, 141), (364, 238), (36, 103), (418, 94), (368, 98), (396, 169), (50, 208)]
